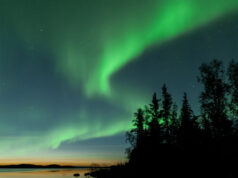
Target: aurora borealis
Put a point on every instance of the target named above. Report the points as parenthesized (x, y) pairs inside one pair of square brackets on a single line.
[(72, 72)]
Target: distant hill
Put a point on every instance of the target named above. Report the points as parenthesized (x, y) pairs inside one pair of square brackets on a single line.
[(35, 166), (51, 166)]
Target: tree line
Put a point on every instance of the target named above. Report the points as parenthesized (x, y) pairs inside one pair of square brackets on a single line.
[(167, 141)]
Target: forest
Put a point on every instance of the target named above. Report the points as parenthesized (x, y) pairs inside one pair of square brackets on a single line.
[(170, 142)]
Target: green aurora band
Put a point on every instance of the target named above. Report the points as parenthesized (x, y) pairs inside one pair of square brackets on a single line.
[(90, 42), (126, 37), (93, 41)]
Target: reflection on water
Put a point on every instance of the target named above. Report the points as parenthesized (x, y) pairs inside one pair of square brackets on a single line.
[(42, 173)]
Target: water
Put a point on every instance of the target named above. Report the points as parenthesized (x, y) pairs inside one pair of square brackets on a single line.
[(42, 173)]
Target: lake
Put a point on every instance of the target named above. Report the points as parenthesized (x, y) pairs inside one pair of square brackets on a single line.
[(42, 173)]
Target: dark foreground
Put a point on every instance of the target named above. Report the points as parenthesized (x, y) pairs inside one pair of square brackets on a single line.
[(186, 168)]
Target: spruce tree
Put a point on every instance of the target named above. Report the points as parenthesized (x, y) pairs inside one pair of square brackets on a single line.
[(136, 138), (166, 112), (154, 125), (187, 123), (175, 124), (139, 126)]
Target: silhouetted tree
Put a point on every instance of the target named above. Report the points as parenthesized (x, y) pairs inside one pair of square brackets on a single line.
[(166, 112), (214, 110), (233, 78), (154, 129), (139, 126), (136, 136), (188, 123), (206, 130), (175, 124), (213, 99), (131, 138), (232, 73)]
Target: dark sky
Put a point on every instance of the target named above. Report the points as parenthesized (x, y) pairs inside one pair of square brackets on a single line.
[(72, 72)]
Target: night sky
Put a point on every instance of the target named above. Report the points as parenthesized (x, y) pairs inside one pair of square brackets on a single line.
[(72, 72)]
